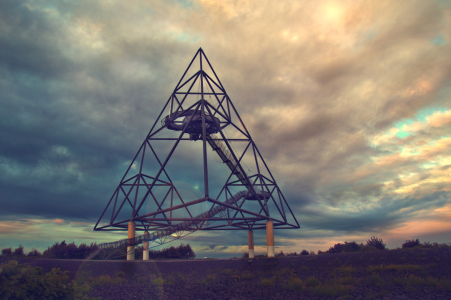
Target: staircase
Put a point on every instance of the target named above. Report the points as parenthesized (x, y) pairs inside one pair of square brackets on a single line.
[(227, 158), (191, 225)]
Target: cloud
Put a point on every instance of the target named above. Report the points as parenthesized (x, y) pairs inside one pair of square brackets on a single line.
[(348, 102)]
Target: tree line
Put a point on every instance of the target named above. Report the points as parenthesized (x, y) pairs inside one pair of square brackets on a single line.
[(72, 251)]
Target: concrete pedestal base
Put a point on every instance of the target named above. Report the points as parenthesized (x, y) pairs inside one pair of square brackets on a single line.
[(250, 240), (270, 238), (146, 247), (131, 235), (130, 252)]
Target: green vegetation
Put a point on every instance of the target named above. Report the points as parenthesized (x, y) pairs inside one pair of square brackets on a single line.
[(336, 277), (376, 243), (20, 281), (312, 281), (374, 295), (348, 280), (120, 274), (105, 280), (72, 251), (58, 250), (332, 290), (207, 280), (347, 270), (247, 275), (398, 268), (294, 284), (375, 280), (180, 252), (373, 244), (236, 278), (158, 281), (266, 282), (411, 243)]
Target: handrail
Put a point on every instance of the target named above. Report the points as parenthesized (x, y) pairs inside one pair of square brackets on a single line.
[(221, 149), (184, 226)]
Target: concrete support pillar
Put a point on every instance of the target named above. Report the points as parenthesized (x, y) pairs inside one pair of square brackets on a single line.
[(270, 238), (250, 241), (146, 246), (131, 248)]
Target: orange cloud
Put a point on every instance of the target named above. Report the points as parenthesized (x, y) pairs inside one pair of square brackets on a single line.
[(422, 227)]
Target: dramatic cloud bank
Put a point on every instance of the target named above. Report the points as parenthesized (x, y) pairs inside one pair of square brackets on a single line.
[(348, 101)]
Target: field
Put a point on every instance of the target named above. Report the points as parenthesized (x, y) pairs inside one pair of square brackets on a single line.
[(391, 274)]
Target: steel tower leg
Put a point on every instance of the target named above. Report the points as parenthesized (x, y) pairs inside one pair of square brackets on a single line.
[(270, 238), (250, 240), (131, 245), (146, 246)]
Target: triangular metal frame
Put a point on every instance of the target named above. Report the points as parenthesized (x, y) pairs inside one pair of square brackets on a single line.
[(205, 121)]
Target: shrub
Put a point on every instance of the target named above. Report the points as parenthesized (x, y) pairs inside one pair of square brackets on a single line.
[(245, 255), (69, 251), (412, 280), (443, 285), (312, 281), (266, 282), (173, 252), (186, 251), (120, 274), (348, 280), (103, 280), (369, 249), (332, 290), (7, 252), (295, 284), (346, 270), (20, 281), (280, 254), (209, 279), (346, 247), (411, 243), (375, 279), (34, 253), (19, 251), (305, 252), (376, 243), (158, 281), (182, 251)]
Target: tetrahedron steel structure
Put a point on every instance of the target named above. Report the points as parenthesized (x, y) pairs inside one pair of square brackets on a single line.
[(198, 116)]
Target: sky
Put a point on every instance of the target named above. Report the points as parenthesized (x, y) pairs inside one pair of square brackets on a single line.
[(349, 103)]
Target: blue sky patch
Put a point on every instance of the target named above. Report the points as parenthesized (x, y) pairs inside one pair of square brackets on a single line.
[(403, 134), (420, 116), (439, 40), (186, 3)]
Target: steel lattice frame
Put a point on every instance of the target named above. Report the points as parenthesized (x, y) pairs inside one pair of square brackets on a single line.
[(203, 121)]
